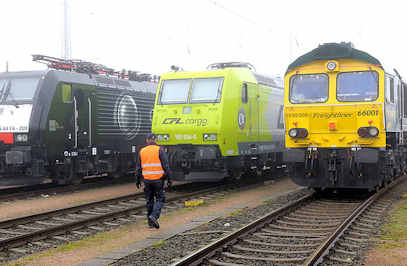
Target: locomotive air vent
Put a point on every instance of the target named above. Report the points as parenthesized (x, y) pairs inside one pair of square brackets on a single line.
[(124, 114)]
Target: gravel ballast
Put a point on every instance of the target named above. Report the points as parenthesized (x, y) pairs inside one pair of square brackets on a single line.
[(171, 250)]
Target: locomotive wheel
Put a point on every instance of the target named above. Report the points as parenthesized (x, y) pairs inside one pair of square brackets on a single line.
[(76, 179), (317, 190), (233, 175), (58, 175), (115, 175), (272, 172), (68, 176)]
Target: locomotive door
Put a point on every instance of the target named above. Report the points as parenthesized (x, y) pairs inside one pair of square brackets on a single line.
[(253, 115), (400, 108), (81, 111)]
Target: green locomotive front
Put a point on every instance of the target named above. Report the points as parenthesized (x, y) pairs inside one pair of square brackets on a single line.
[(222, 122)]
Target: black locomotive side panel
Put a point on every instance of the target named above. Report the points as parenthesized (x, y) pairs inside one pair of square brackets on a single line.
[(122, 117)]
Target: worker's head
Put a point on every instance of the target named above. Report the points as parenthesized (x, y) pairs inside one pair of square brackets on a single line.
[(151, 139)]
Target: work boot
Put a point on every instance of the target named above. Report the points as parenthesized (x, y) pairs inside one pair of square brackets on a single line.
[(150, 224), (153, 221)]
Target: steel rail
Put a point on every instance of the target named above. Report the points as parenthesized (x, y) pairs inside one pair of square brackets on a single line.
[(26, 191), (43, 215), (324, 248), (26, 219), (197, 257), (59, 229), (209, 250), (19, 191)]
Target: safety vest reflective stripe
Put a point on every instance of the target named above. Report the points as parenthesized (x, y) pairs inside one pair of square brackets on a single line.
[(150, 164), (152, 172)]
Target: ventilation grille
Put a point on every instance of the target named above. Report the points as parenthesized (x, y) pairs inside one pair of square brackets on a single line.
[(123, 113)]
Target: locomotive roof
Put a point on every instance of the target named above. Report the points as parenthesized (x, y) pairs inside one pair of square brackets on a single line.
[(275, 82), (331, 51), (272, 81), (18, 74), (80, 78)]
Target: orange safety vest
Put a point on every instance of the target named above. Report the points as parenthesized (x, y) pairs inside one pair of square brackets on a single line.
[(150, 162)]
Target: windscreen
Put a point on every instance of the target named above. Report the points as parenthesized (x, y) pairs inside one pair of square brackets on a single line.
[(310, 88), (21, 89), (206, 90), (359, 86), (175, 91)]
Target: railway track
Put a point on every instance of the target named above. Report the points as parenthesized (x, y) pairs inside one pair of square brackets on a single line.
[(35, 232), (309, 231), (37, 190), (24, 192), (49, 189)]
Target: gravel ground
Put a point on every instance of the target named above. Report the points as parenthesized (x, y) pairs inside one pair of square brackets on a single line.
[(169, 251), (359, 258), (90, 248), (173, 249), (394, 196), (87, 231)]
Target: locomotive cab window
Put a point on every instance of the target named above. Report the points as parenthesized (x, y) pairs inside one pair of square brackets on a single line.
[(391, 90), (281, 118), (208, 90), (174, 91), (22, 89), (66, 93), (309, 88), (245, 98), (361, 86)]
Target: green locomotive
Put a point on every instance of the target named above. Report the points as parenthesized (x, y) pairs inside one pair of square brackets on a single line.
[(222, 122)]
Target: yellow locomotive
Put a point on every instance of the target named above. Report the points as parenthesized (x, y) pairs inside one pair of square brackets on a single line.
[(345, 119)]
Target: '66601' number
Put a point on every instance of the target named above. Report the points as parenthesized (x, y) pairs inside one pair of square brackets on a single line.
[(368, 113)]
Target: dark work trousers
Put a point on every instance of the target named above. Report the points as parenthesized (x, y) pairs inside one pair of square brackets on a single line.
[(155, 197)]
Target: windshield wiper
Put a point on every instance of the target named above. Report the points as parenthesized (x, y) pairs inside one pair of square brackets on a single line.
[(2, 91), (9, 96), (13, 100)]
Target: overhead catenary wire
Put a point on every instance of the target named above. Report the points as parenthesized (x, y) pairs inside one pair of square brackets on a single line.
[(221, 6)]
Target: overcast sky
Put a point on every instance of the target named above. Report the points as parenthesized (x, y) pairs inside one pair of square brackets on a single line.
[(152, 35)]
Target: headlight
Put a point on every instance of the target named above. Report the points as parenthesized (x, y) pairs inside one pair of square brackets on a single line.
[(368, 132), (331, 66), (292, 132), (298, 133), (362, 131), (21, 137), (163, 137), (373, 131), (209, 137)]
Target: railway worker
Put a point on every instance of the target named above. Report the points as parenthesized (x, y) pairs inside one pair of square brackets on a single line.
[(152, 165)]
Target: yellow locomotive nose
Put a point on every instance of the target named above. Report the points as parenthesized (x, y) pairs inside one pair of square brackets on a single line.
[(355, 115)]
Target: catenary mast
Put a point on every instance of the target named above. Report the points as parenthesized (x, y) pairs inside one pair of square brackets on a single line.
[(67, 52)]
